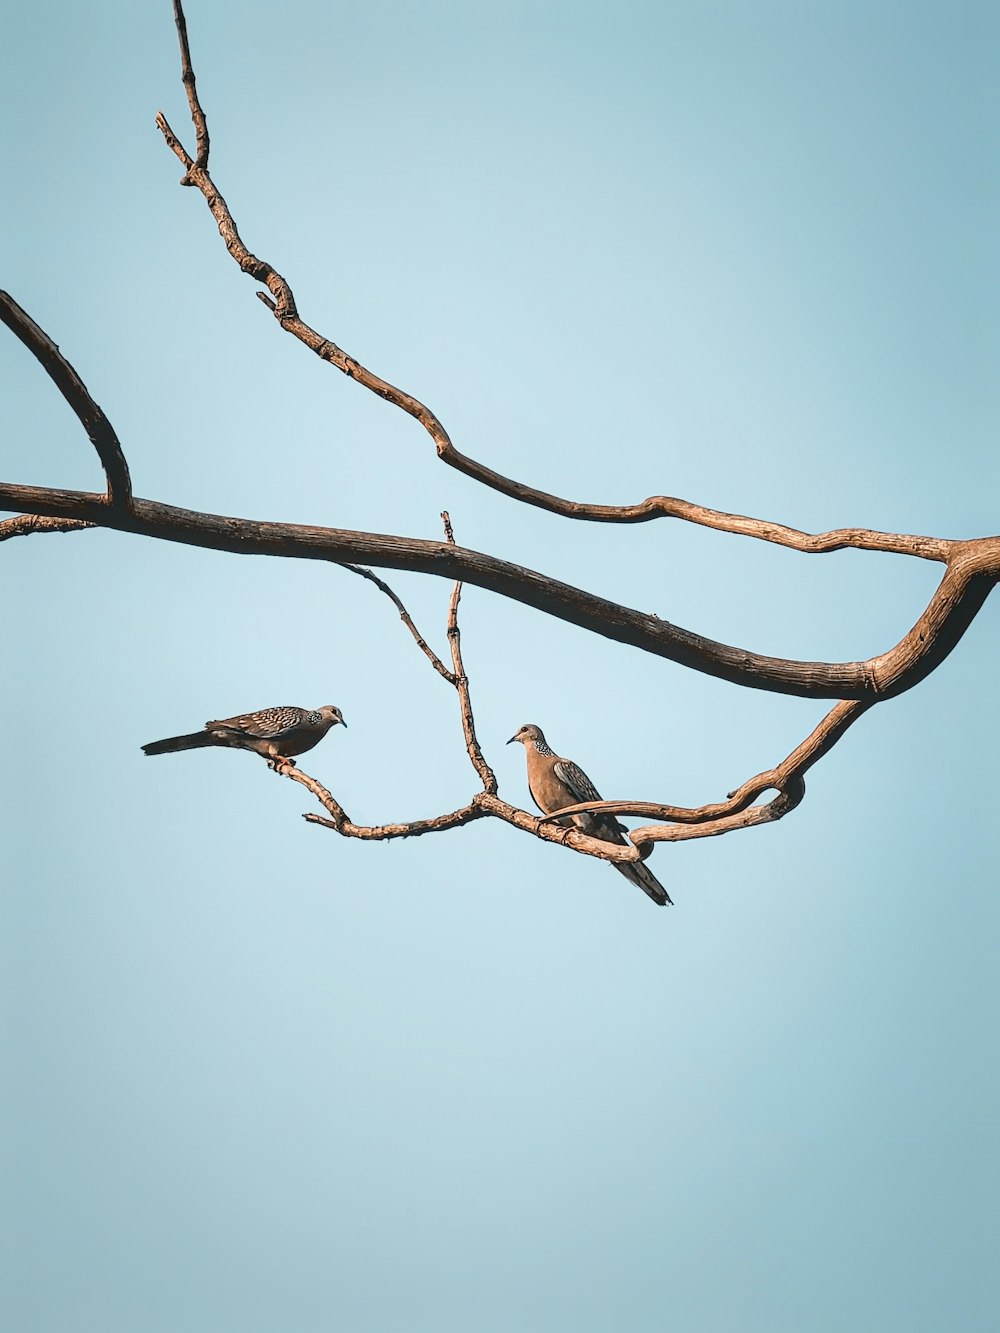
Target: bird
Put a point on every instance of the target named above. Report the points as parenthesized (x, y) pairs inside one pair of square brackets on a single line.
[(274, 733), (555, 782)]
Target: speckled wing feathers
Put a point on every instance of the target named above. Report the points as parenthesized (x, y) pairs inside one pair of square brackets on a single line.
[(266, 723), (576, 781)]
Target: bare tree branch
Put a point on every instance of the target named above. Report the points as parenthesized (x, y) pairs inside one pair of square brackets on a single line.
[(819, 742), (284, 307), (482, 805), (99, 429), (456, 678), (972, 570), (461, 680), (21, 525), (191, 88), (405, 617), (839, 539), (743, 819), (342, 823), (567, 837), (387, 832), (735, 813)]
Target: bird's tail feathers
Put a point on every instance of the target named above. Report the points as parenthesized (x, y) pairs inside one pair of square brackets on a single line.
[(637, 872), (194, 741)]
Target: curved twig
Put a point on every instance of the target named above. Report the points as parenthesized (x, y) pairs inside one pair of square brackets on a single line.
[(781, 778), (285, 310), (99, 429), (407, 620), (644, 838), (456, 678)]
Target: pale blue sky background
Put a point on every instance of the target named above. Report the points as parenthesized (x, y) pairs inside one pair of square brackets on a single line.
[(263, 1078)]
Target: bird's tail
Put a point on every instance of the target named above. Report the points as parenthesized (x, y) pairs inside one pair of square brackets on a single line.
[(192, 742), (637, 872)]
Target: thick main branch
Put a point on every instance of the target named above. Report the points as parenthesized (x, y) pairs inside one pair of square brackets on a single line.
[(973, 569)]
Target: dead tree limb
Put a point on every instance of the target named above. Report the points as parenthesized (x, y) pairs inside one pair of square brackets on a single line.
[(99, 429), (22, 525), (970, 573)]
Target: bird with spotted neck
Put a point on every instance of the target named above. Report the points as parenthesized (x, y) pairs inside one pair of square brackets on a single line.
[(555, 783), (274, 733)]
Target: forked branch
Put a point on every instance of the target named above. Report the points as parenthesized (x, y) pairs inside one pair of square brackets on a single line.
[(22, 525)]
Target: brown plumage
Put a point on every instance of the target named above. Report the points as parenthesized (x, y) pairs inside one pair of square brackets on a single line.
[(275, 733), (555, 782)]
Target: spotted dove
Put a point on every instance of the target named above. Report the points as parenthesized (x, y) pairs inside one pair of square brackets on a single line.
[(555, 783), (275, 733)]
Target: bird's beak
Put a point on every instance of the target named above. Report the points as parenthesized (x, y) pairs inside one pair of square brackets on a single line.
[(343, 723), (512, 740)]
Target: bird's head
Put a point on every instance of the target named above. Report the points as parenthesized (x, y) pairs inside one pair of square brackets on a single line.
[(527, 735), (330, 713)]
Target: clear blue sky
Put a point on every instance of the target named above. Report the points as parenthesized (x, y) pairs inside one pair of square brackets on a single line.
[(259, 1077)]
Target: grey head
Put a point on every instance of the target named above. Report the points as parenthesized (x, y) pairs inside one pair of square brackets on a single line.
[(531, 735), (331, 714)]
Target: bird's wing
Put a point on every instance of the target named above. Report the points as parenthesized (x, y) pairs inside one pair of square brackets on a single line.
[(265, 724), (576, 781)]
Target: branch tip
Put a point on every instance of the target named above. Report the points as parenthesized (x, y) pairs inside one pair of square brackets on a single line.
[(99, 429)]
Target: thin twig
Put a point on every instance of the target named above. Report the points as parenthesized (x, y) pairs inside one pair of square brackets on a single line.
[(644, 838), (407, 620), (24, 524), (342, 823), (819, 742), (191, 88), (736, 812), (461, 680), (456, 678)]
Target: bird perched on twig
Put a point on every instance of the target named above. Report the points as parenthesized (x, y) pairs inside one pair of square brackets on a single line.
[(275, 733), (555, 782)]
